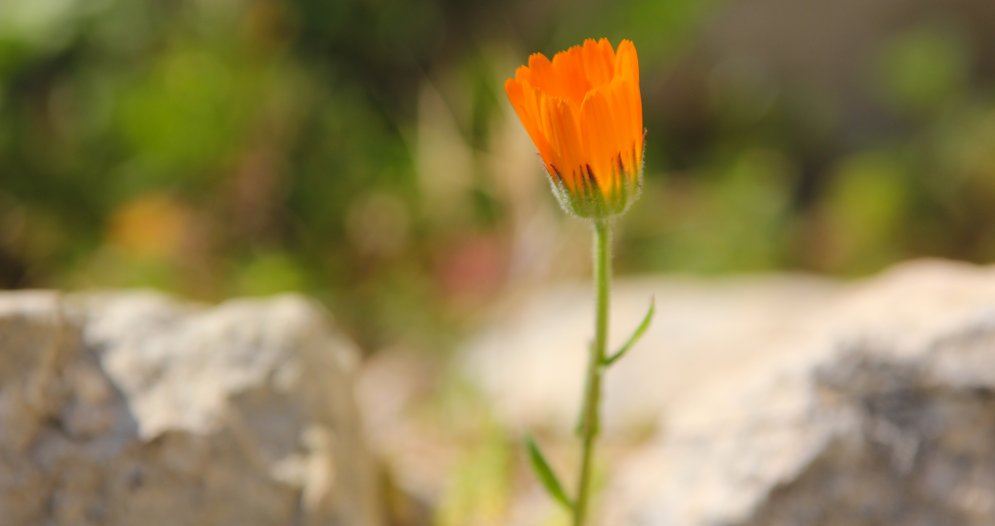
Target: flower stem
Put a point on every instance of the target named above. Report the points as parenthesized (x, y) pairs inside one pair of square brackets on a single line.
[(589, 424)]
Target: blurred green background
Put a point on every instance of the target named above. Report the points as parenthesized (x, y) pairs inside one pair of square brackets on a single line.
[(362, 151)]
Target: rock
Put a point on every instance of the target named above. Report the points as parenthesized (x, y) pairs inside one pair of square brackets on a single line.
[(774, 401), (881, 415), (531, 361), (132, 408)]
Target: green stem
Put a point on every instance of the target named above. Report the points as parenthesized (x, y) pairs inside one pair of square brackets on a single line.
[(589, 424)]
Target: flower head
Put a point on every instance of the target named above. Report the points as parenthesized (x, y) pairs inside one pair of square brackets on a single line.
[(584, 113)]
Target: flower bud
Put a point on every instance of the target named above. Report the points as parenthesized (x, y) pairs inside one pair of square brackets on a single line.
[(584, 113)]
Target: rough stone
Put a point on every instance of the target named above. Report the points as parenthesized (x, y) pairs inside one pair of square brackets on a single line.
[(132, 408), (883, 415), (531, 360), (773, 401)]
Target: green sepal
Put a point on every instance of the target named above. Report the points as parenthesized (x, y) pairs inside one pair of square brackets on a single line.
[(545, 473), (636, 335)]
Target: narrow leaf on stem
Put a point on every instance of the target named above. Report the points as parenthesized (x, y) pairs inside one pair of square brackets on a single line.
[(636, 335), (545, 473)]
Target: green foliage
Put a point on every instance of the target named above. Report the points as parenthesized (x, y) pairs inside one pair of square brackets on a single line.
[(635, 336), (865, 212), (362, 152), (479, 490), (734, 219), (924, 69), (267, 274), (542, 469)]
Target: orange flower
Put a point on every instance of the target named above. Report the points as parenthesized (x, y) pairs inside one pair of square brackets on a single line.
[(584, 114)]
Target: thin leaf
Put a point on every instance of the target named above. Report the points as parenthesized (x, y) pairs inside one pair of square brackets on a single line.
[(636, 335), (545, 473)]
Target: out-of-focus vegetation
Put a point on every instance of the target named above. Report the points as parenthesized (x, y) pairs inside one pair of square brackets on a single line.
[(362, 150)]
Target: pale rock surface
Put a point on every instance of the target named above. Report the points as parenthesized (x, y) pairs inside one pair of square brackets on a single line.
[(132, 408), (777, 401), (531, 360)]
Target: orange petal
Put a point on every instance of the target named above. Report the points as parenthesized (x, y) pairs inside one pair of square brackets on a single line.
[(568, 67), (601, 142), (599, 62), (560, 125), (627, 68), (525, 101)]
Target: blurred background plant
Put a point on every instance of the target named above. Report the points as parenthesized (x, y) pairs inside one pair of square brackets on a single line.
[(362, 151)]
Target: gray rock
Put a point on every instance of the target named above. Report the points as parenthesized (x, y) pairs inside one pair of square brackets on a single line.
[(882, 415), (531, 360), (124, 409), (771, 401)]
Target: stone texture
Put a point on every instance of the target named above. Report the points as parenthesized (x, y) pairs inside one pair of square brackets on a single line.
[(883, 415), (123, 409), (776, 401), (531, 359)]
